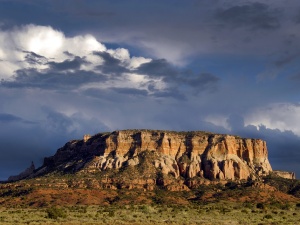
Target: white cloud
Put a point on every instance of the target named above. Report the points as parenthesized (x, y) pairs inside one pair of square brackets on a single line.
[(120, 53), (282, 116), (54, 46), (51, 43), (175, 52), (218, 120), (135, 62), (39, 39), (7, 69)]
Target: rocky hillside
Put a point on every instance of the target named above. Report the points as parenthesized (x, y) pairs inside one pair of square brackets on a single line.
[(153, 167)]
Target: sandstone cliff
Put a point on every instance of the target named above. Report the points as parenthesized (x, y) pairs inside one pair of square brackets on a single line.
[(190, 158)]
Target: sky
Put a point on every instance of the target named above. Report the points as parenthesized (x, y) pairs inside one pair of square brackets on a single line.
[(74, 67)]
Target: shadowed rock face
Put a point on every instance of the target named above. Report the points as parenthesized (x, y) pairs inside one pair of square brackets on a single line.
[(23, 174), (181, 154)]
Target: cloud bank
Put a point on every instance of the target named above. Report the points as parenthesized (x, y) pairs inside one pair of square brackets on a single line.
[(73, 68)]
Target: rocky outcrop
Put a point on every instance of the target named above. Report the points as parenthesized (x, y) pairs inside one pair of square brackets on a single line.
[(284, 174), (182, 155), (24, 174)]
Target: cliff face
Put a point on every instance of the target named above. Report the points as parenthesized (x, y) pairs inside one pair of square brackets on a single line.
[(182, 155)]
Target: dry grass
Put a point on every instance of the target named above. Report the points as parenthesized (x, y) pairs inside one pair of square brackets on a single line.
[(205, 214), (31, 202)]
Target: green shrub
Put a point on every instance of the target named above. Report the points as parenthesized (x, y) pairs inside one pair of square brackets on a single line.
[(225, 210), (55, 213), (83, 209), (260, 206), (231, 185), (244, 211), (268, 216), (111, 213), (286, 207), (247, 205)]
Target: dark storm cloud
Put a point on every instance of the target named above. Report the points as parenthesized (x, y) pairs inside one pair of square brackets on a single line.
[(68, 54), (184, 26), (254, 15), (10, 118), (170, 93), (57, 121), (33, 58), (74, 125), (21, 143), (175, 76), (130, 91), (118, 95), (96, 93), (53, 79), (67, 75), (286, 59), (158, 68), (204, 81), (111, 65), (69, 64), (113, 95)]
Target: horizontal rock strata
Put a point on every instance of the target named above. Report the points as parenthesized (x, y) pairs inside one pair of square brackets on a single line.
[(182, 155)]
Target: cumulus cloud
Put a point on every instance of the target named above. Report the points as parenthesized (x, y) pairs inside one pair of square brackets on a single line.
[(39, 56), (280, 116), (31, 46), (43, 57)]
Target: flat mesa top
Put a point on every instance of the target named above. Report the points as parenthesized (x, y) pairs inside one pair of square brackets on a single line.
[(186, 133)]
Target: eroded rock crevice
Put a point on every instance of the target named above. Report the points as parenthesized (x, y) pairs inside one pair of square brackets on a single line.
[(181, 154)]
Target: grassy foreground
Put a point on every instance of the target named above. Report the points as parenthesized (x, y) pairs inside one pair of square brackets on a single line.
[(272, 202), (204, 214)]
